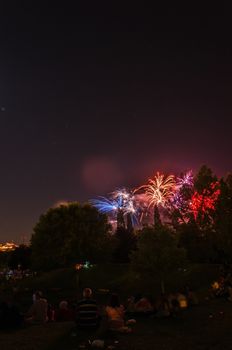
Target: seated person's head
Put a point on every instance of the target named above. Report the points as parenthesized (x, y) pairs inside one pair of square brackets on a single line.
[(63, 305), (87, 293)]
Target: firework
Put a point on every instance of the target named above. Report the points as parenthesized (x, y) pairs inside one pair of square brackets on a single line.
[(159, 190), (127, 203), (105, 205), (121, 200), (183, 193), (185, 180), (203, 203)]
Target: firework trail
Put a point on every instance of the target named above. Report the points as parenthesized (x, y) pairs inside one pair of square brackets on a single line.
[(159, 190), (119, 200), (184, 186), (105, 205), (185, 180)]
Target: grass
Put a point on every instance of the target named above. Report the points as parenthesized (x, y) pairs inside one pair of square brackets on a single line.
[(204, 327), (67, 284)]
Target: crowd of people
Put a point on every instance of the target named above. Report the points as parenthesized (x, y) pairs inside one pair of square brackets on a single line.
[(14, 274), (87, 314)]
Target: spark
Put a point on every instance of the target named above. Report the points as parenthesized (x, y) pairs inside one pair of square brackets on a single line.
[(186, 179), (105, 205), (125, 200), (184, 187), (159, 189), (119, 200), (205, 202)]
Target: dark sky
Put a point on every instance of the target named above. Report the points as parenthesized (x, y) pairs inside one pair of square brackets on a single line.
[(94, 98)]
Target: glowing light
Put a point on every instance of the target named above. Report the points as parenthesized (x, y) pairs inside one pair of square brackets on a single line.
[(8, 246), (78, 267), (159, 189), (119, 200), (105, 205), (182, 197), (203, 203), (186, 179), (215, 285), (125, 200)]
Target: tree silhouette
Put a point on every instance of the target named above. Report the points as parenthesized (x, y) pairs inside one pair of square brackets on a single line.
[(68, 234)]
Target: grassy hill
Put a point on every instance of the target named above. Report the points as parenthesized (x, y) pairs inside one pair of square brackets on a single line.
[(67, 283)]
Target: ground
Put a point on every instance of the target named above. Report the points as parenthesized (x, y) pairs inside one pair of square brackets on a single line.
[(204, 327)]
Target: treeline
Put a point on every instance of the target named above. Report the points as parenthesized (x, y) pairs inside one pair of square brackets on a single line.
[(198, 230)]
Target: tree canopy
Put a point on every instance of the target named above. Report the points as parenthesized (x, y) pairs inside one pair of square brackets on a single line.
[(68, 234), (157, 252), (200, 214)]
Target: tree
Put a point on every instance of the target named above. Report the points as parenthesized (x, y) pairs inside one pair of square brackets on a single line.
[(157, 219), (68, 234), (125, 243), (129, 223), (223, 221), (205, 197), (120, 219), (204, 179), (157, 252), (180, 212), (4, 256), (199, 244)]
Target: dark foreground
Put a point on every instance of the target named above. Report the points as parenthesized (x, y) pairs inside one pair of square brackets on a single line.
[(205, 327)]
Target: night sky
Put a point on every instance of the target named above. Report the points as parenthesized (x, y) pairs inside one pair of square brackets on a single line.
[(96, 98)]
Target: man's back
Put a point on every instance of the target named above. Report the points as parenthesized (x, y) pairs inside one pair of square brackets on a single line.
[(87, 313)]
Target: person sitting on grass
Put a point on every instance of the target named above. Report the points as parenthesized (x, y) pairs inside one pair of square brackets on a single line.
[(143, 306), (137, 306), (163, 307), (182, 299), (38, 311), (115, 315), (64, 313), (87, 314)]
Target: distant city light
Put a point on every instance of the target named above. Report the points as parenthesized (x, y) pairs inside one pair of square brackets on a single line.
[(8, 246)]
